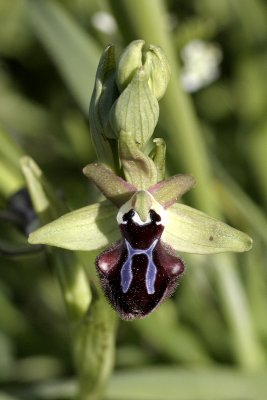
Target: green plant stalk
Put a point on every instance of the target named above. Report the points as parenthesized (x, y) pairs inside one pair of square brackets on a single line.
[(9, 148), (11, 180), (145, 19), (72, 278), (92, 326), (239, 205), (235, 200), (239, 319), (94, 349)]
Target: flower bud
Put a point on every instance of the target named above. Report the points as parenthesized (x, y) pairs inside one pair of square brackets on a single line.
[(136, 110), (104, 95), (158, 69), (130, 61), (155, 65)]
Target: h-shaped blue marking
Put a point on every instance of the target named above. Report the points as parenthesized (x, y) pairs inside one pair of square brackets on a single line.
[(151, 272)]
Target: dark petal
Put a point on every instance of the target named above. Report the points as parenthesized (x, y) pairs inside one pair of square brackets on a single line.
[(136, 302)]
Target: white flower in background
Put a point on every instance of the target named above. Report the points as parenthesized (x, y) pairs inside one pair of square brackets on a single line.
[(104, 22), (200, 64)]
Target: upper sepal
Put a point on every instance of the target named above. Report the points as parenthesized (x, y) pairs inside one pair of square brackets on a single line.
[(192, 231)]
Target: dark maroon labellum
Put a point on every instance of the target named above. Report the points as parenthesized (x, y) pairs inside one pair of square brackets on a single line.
[(140, 271)]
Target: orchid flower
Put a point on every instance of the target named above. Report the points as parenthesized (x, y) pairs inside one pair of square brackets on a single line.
[(140, 225)]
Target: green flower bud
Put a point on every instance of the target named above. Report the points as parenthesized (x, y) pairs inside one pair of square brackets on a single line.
[(104, 95), (155, 65), (130, 61), (136, 110), (158, 69)]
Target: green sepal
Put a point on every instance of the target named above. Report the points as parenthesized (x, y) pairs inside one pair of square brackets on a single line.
[(155, 64), (168, 191), (88, 228), (129, 61), (158, 156), (114, 188), (136, 110), (192, 231), (104, 95), (138, 168), (158, 69)]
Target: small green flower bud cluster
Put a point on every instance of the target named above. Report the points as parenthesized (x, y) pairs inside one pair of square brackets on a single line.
[(124, 111)]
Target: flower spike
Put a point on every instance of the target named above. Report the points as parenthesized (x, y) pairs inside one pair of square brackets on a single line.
[(141, 225)]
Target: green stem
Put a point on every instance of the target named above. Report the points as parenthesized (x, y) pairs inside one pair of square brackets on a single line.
[(92, 326), (235, 305), (11, 179)]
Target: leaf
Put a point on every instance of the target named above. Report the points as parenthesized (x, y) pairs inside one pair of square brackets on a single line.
[(73, 280), (46, 204), (88, 228), (75, 54), (191, 384), (193, 231)]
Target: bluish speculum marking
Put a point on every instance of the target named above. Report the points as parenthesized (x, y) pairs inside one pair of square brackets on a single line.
[(151, 272)]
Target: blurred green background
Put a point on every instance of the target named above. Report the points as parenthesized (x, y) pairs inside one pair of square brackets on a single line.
[(210, 340)]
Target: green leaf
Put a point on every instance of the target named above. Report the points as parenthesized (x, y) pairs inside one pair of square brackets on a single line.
[(75, 54), (193, 231), (187, 384), (46, 204), (88, 228), (73, 280)]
